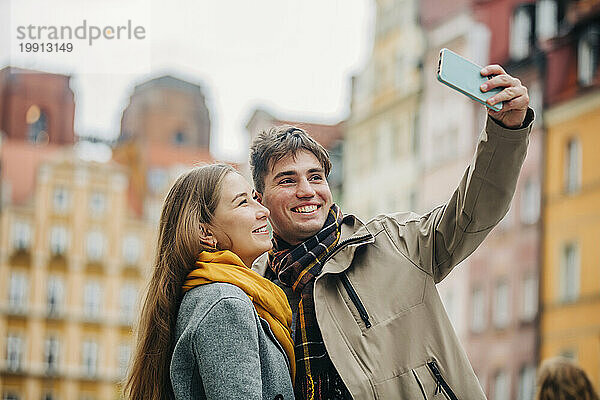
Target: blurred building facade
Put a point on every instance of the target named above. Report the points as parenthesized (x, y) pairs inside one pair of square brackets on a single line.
[(73, 262), (449, 127), (381, 146), (329, 136), (570, 289), (504, 279)]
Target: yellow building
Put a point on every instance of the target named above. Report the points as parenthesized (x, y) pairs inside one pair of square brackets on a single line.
[(570, 279), (72, 263)]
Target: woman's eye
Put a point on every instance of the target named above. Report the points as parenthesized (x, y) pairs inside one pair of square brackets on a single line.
[(242, 202)]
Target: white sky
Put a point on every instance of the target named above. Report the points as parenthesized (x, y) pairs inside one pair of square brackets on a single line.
[(294, 58)]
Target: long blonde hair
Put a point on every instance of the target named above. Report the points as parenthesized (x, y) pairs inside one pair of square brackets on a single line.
[(191, 201), (561, 379)]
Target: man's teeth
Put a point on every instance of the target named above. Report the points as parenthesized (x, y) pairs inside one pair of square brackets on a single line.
[(306, 209), (261, 230)]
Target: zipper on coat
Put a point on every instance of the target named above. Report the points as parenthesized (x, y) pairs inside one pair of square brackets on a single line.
[(355, 299), (344, 243), (440, 381), (420, 384)]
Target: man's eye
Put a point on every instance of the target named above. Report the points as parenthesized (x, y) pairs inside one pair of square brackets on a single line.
[(316, 177), (284, 181)]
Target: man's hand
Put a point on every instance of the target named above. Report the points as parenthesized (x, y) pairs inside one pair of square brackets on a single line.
[(514, 96)]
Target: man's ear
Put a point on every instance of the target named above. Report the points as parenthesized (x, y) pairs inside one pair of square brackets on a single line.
[(259, 197), (207, 237)]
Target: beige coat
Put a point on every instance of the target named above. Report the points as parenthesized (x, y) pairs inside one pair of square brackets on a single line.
[(377, 305)]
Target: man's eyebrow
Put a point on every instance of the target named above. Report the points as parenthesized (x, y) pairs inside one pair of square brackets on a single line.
[(291, 173), (243, 194), (284, 173)]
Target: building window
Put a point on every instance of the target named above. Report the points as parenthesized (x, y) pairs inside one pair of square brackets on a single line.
[(97, 204), (92, 300), (128, 299), (21, 235), (530, 202), (61, 199), (55, 295), (401, 69), (37, 125), (501, 305), (529, 298), (478, 320), (587, 55), (546, 19), (526, 383), (51, 354), (59, 240), (501, 386), (157, 180), (569, 274), (90, 357), (414, 135), (384, 148), (520, 33), (132, 249), (95, 244), (179, 138), (14, 352), (573, 166), (17, 292), (124, 357)]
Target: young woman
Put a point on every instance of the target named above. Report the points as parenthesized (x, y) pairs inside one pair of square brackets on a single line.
[(211, 328)]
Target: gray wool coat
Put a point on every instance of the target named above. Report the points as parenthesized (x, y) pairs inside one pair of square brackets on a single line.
[(224, 350)]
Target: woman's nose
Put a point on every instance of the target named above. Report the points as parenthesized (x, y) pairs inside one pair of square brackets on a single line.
[(262, 212)]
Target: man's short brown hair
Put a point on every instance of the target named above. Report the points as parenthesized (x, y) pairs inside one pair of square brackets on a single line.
[(278, 142)]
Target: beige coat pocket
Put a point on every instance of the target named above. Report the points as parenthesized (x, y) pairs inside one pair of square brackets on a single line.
[(422, 383)]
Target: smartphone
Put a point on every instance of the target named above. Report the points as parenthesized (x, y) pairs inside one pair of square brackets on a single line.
[(463, 75)]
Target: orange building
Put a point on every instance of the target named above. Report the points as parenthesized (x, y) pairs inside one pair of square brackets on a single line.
[(570, 277)]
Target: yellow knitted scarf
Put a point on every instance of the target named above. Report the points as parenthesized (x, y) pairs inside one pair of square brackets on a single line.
[(269, 300)]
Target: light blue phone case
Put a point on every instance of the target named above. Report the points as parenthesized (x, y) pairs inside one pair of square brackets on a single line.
[(463, 75)]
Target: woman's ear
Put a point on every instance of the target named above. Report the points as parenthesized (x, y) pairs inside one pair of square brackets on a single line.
[(207, 237), (258, 196)]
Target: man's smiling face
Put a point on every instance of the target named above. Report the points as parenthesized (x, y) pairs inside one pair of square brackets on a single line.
[(297, 195)]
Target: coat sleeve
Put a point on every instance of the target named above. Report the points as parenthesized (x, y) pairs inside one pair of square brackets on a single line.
[(441, 239), (227, 353)]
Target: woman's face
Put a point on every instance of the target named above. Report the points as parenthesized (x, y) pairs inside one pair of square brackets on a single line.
[(240, 222)]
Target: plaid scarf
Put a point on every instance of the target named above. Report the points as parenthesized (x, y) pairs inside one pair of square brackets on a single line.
[(296, 269)]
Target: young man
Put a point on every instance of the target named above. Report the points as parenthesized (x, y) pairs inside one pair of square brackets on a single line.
[(368, 321)]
